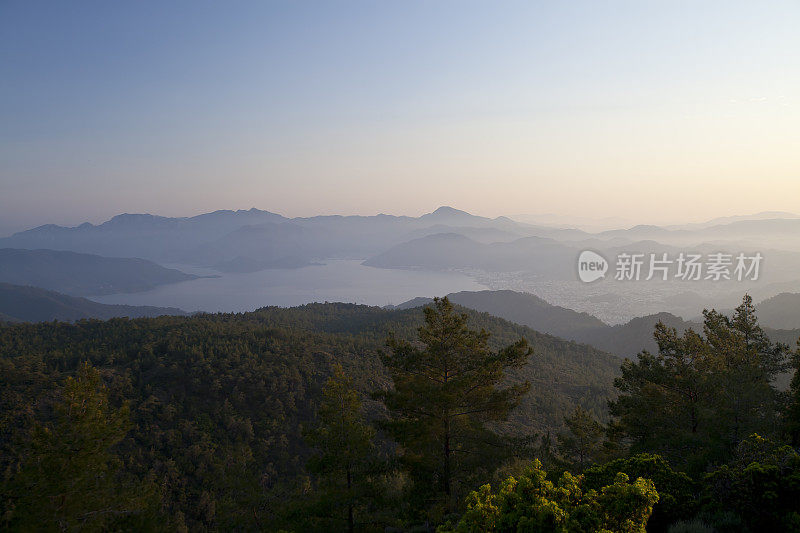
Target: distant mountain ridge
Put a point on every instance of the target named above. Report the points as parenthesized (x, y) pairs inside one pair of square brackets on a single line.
[(248, 239), (152, 237), (737, 218), (521, 308), (782, 311), (495, 251), (446, 251), (623, 340), (32, 304), (80, 274)]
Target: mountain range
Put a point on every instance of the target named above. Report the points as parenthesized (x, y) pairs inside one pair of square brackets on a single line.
[(499, 252), (261, 239)]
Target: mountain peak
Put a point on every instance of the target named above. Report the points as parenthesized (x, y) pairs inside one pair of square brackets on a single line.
[(447, 211)]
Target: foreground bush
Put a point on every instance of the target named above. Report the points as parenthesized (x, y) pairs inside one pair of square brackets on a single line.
[(676, 490), (532, 503), (758, 491)]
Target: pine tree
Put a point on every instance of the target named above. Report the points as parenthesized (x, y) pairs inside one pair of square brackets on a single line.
[(343, 454), (446, 395), (792, 413), (583, 443), (70, 479), (743, 363), (701, 395)]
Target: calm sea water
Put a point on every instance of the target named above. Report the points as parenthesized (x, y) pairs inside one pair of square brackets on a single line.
[(334, 281)]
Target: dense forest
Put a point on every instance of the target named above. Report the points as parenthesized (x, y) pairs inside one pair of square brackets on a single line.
[(333, 417)]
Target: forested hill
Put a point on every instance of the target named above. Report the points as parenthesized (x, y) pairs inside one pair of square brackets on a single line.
[(524, 308), (563, 372), (566, 372), (219, 399)]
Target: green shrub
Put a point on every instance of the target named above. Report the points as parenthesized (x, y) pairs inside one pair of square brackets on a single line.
[(532, 503), (676, 491)]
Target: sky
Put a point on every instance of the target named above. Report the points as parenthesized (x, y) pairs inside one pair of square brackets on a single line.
[(651, 112)]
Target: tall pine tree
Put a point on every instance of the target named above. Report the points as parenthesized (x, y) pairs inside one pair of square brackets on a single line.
[(446, 395), (343, 460), (583, 443)]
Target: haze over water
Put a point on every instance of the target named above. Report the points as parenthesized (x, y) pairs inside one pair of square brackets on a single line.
[(334, 281)]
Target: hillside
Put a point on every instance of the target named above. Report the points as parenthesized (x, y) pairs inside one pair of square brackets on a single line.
[(261, 246), (523, 308), (781, 311), (623, 340), (447, 251), (241, 387), (627, 340), (564, 373), (80, 274), (565, 370), (32, 304)]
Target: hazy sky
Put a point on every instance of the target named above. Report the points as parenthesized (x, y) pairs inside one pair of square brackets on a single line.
[(648, 111)]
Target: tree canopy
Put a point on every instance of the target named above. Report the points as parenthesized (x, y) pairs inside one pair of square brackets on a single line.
[(701, 394), (296, 420)]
